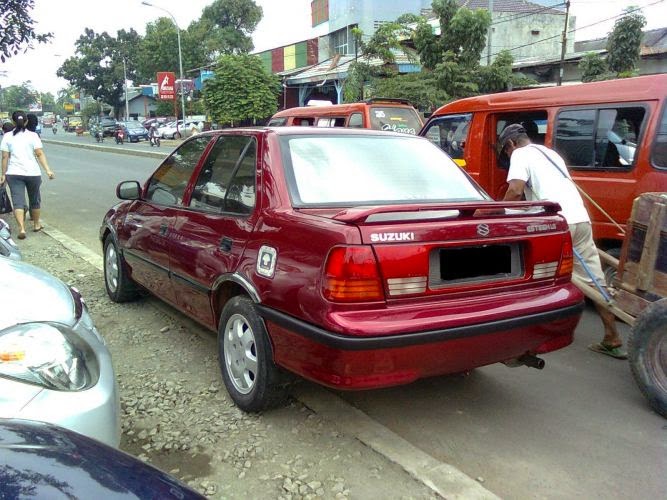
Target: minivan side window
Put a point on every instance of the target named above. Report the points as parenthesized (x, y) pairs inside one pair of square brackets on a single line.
[(450, 133), (356, 121), (659, 153), (599, 138)]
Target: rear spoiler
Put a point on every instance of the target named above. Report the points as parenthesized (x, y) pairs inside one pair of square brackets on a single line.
[(466, 209)]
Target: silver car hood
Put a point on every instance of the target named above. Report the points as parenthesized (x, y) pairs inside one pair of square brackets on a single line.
[(28, 294)]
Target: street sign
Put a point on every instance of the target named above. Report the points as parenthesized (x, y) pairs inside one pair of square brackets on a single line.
[(166, 85), (68, 107)]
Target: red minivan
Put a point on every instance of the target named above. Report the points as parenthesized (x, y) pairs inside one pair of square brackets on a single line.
[(612, 135)]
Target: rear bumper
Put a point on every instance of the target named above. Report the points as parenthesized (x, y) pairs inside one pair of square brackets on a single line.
[(353, 362)]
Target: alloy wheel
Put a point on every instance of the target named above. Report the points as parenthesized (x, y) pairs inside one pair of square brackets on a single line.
[(240, 353)]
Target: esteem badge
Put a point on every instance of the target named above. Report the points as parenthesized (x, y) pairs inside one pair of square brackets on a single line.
[(483, 230), (266, 261)]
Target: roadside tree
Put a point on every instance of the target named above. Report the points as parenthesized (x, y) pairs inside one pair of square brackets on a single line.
[(593, 68), (97, 66), (624, 43), (17, 31), (241, 90), (18, 97), (227, 25)]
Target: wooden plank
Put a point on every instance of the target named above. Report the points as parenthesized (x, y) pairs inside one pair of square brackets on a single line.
[(651, 244), (630, 303), (593, 294)]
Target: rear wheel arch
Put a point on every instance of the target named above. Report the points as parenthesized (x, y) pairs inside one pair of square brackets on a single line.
[(228, 286)]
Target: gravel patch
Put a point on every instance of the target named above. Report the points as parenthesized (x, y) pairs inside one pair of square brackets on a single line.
[(176, 413)]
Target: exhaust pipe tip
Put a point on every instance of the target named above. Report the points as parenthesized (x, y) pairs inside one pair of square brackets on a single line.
[(532, 361)]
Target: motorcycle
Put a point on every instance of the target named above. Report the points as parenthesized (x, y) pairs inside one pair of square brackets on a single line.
[(155, 140), (54, 129), (120, 136), (99, 135)]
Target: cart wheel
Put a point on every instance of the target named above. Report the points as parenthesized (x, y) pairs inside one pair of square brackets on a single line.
[(647, 352)]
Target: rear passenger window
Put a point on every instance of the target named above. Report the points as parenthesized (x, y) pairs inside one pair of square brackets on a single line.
[(226, 182), (659, 153), (599, 138)]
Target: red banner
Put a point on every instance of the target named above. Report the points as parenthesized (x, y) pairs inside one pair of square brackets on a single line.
[(166, 85)]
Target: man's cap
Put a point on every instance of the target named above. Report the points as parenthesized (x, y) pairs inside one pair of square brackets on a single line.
[(510, 132)]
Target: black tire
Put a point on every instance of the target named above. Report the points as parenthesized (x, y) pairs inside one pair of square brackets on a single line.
[(177, 135), (119, 285), (647, 352), (246, 359)]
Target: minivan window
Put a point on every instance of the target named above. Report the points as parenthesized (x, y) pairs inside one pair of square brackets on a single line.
[(599, 138), (356, 121), (450, 134), (659, 154), (395, 119)]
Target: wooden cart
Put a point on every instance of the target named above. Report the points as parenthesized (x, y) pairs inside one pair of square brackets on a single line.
[(638, 295)]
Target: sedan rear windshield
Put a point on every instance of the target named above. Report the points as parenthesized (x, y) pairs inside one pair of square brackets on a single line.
[(370, 170), (403, 120)]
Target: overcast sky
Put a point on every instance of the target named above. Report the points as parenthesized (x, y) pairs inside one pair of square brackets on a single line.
[(284, 22)]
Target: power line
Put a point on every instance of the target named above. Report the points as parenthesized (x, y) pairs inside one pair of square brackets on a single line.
[(581, 27)]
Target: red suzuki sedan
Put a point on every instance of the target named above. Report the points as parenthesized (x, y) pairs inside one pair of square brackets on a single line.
[(354, 258)]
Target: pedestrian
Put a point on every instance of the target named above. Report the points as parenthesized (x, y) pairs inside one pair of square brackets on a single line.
[(7, 127), (540, 173), (22, 155)]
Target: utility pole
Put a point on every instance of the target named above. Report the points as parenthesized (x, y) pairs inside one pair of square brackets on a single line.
[(127, 107), (488, 36), (563, 47)]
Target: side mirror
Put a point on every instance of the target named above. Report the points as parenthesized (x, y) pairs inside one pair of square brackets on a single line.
[(128, 190)]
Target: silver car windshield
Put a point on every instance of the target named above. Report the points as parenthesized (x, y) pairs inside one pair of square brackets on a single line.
[(370, 170)]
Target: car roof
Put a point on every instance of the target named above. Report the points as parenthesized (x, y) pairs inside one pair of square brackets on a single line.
[(300, 131)]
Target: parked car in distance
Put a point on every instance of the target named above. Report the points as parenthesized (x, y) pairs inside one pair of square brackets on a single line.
[(354, 258), (54, 364), (41, 460), (134, 131), (108, 126), (160, 120), (170, 131)]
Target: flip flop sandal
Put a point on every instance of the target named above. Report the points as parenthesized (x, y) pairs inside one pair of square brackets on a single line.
[(21, 235), (38, 229), (615, 352)]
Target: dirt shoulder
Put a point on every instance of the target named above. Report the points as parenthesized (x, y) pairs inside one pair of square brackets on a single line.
[(177, 415)]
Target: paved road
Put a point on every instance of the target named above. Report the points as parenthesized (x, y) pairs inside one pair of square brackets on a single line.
[(579, 428), (85, 188)]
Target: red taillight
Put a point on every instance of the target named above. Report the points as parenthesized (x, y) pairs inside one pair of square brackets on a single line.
[(567, 257), (351, 275)]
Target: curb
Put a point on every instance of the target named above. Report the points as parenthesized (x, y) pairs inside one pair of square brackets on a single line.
[(443, 479), (108, 149)]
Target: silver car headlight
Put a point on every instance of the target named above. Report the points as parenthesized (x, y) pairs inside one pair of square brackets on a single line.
[(47, 354)]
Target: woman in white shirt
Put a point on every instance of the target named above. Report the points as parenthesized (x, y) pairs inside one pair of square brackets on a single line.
[(22, 155)]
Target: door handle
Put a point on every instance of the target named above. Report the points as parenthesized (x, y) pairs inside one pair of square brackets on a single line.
[(163, 229), (226, 244)]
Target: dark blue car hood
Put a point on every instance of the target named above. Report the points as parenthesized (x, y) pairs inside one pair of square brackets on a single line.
[(39, 460)]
